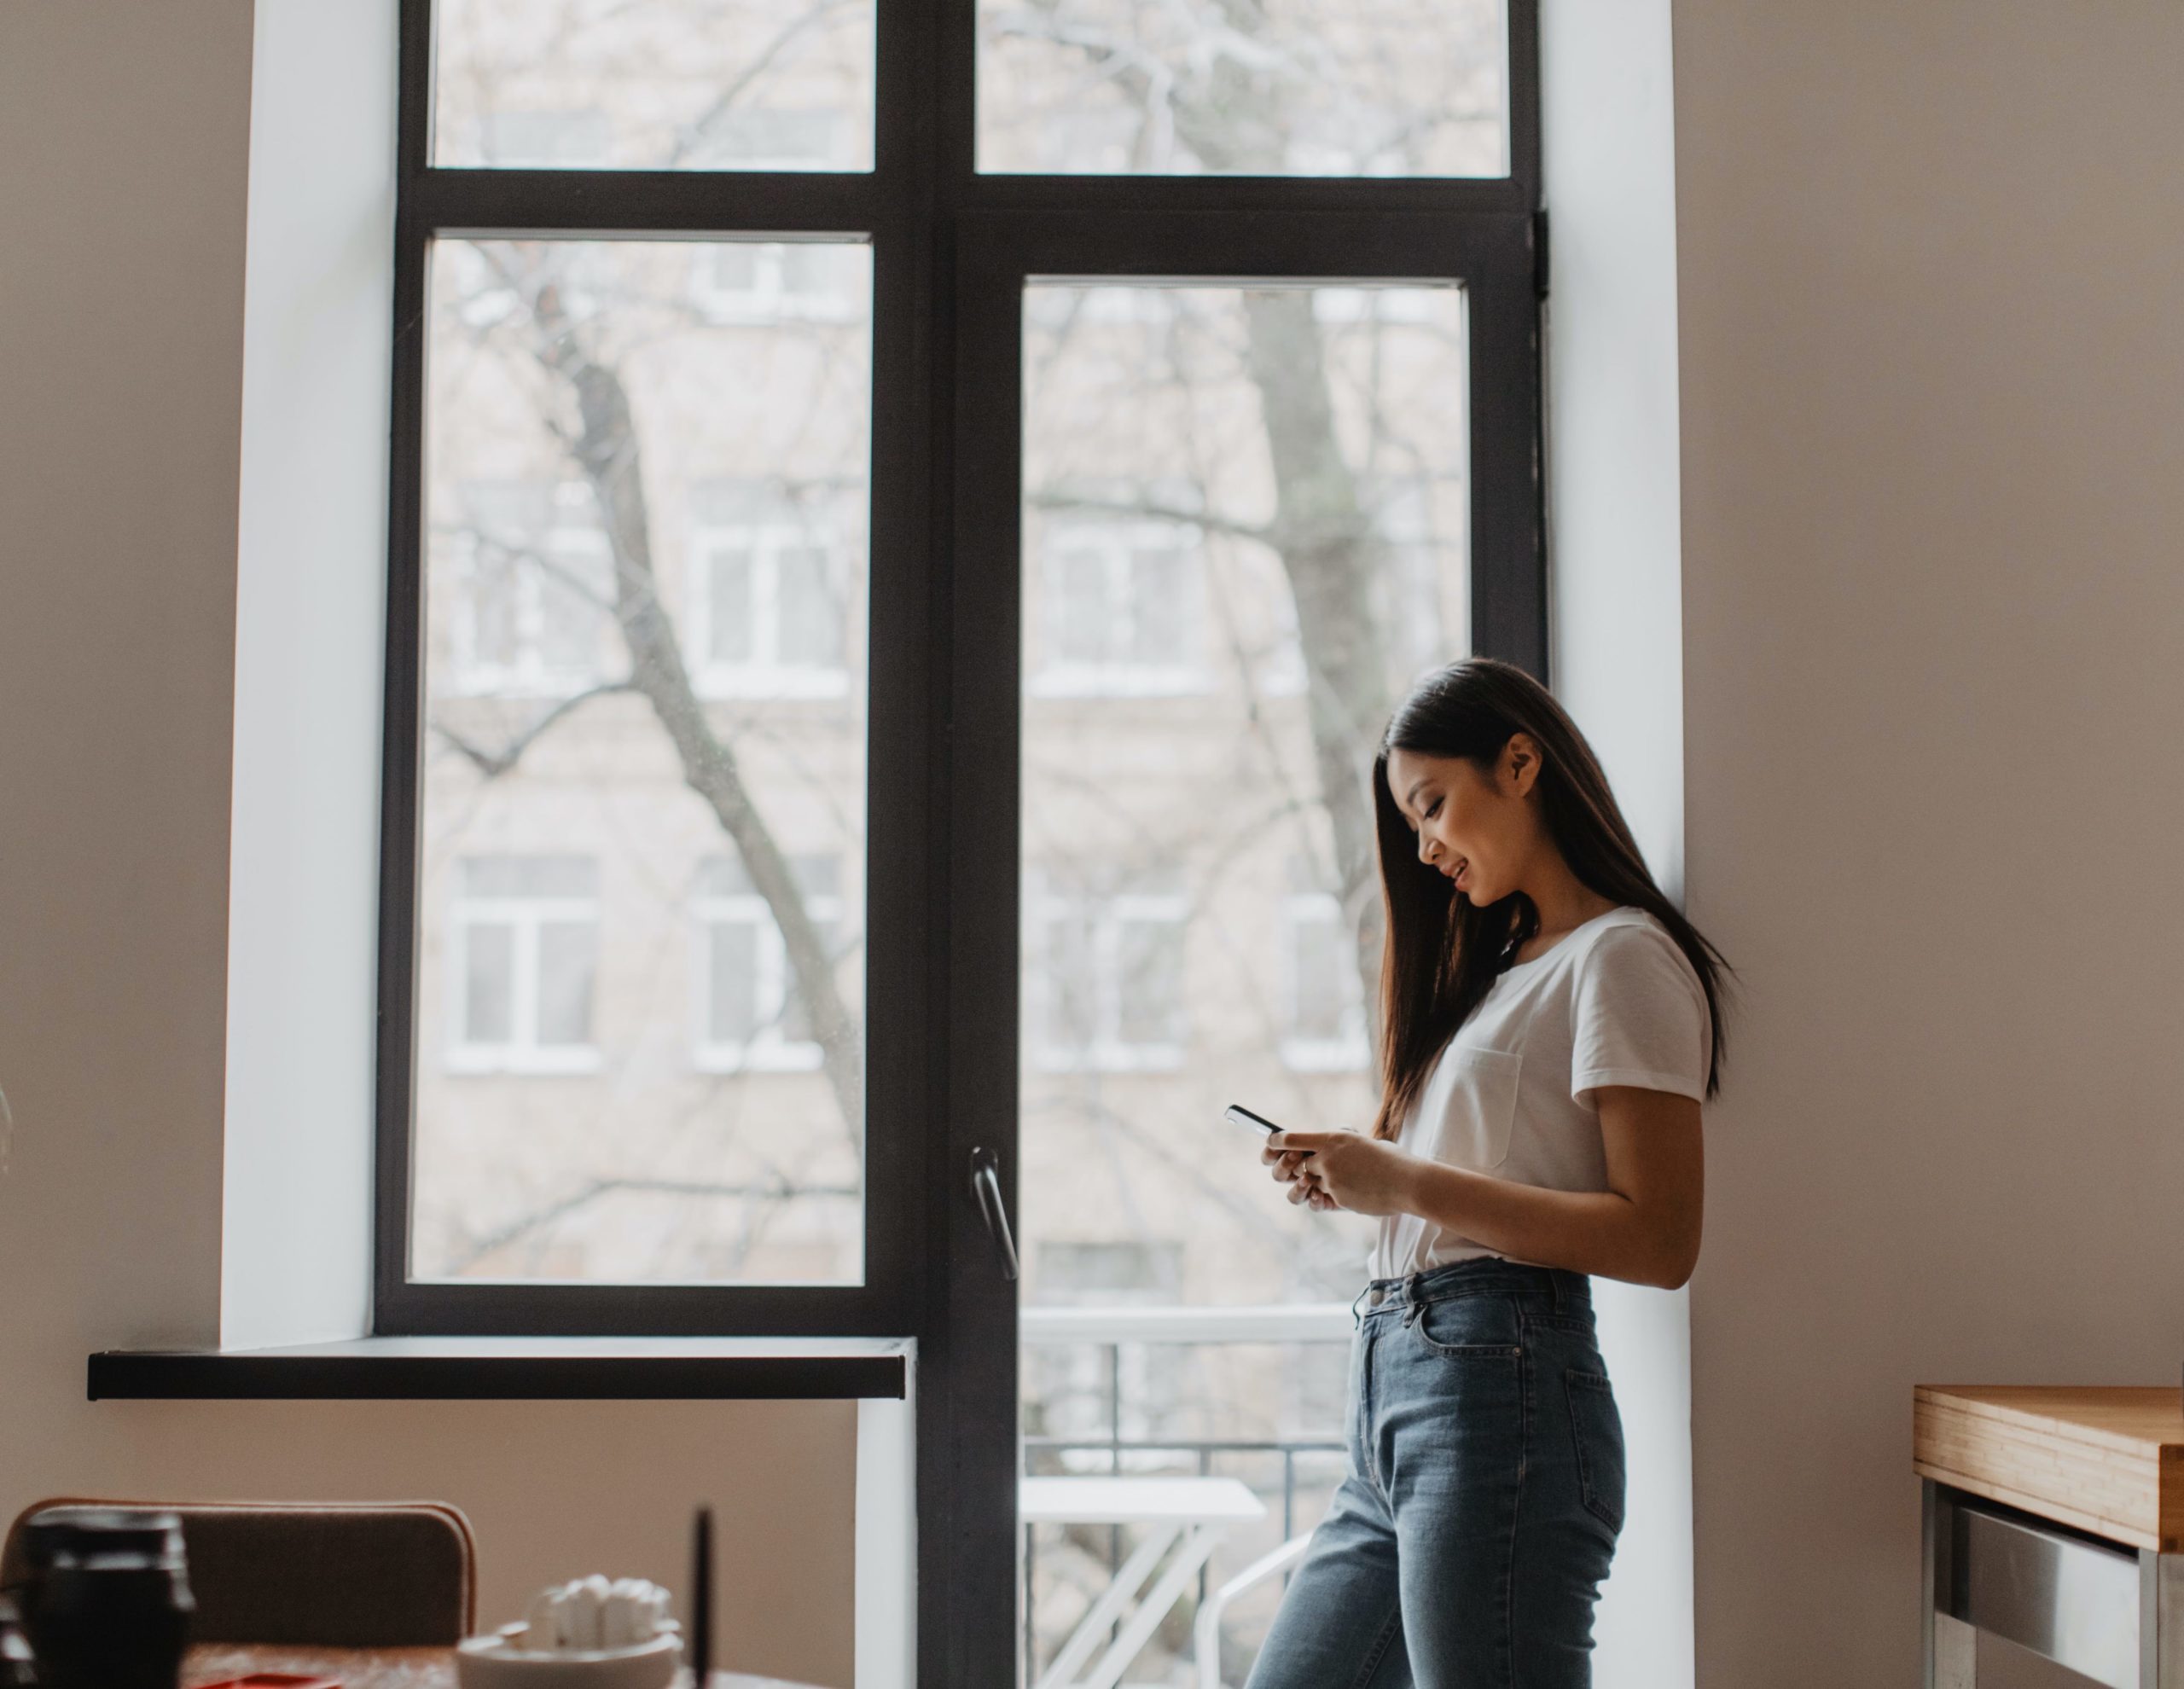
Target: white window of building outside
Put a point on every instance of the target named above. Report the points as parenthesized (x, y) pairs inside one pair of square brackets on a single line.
[(749, 1015), (769, 576), (524, 958), (534, 605), (1107, 977), (770, 281), (1323, 1007), (1125, 609)]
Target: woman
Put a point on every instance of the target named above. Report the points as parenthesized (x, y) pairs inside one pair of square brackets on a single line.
[(1549, 1027)]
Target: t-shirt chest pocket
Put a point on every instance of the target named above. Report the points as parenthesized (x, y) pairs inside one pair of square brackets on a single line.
[(1481, 1108)]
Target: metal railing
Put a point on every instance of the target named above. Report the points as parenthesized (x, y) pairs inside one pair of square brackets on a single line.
[(1110, 1330)]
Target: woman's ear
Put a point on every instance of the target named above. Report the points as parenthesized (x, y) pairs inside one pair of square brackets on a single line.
[(1520, 764)]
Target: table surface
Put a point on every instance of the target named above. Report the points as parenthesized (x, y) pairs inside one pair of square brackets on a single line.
[(2109, 1459), (371, 1668)]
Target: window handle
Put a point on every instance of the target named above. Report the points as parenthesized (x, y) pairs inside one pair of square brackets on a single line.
[(985, 1190)]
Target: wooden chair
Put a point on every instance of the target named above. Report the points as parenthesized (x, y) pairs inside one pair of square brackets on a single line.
[(313, 1573)]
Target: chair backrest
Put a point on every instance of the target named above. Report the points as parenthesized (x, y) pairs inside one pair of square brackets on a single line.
[(314, 1574)]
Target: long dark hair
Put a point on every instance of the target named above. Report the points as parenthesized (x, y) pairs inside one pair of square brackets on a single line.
[(1442, 953)]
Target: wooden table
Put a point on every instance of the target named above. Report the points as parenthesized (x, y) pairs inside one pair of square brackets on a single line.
[(2053, 1517), (372, 1667)]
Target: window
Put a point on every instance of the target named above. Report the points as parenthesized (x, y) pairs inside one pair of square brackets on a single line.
[(1323, 1009), (931, 505), (536, 596), (775, 281), (524, 957), (1122, 609), (750, 1013), (1108, 977), (766, 596)]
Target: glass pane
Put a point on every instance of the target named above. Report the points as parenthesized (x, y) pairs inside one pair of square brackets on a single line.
[(612, 1141), (729, 611), (810, 636), (568, 955), (734, 960), (654, 84), (489, 980), (1152, 1008), (1278, 88), (1273, 481)]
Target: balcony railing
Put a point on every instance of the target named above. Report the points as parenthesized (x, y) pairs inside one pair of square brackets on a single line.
[(1108, 1331)]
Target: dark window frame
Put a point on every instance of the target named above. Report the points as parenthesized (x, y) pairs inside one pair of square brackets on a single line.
[(951, 249)]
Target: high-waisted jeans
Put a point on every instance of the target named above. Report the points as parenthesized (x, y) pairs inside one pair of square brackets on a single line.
[(1466, 1547)]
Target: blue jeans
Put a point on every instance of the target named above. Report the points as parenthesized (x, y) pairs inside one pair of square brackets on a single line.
[(1465, 1548)]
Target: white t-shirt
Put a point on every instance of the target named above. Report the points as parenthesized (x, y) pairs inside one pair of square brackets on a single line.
[(1614, 1002)]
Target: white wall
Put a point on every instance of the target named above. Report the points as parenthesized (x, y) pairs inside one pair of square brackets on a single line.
[(1615, 544), (1932, 287), (125, 147), (310, 589)]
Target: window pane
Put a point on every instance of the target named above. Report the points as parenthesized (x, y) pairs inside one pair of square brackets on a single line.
[(1319, 994), (1152, 983), (1273, 485), (729, 611), (654, 84), (568, 954), (607, 1145), (733, 955), (1080, 612), (1281, 88), (1159, 590), (809, 635), (489, 982)]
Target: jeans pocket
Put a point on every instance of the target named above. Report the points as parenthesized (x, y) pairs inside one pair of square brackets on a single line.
[(1469, 1328), (1598, 1429)]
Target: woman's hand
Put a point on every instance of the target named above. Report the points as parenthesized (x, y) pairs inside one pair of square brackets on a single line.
[(1294, 1169), (1343, 1170)]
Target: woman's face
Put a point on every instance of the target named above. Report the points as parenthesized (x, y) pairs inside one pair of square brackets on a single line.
[(1475, 825)]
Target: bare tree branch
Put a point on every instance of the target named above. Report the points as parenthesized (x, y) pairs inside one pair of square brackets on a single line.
[(1153, 509), (492, 764)]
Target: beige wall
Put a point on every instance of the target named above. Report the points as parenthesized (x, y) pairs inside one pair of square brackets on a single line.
[(1931, 273), (124, 128)]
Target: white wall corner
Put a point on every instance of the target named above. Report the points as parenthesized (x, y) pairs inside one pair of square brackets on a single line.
[(296, 1236), (887, 1536), (1616, 597)]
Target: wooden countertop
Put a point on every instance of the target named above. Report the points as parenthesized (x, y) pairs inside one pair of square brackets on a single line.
[(2109, 1459), (372, 1667)]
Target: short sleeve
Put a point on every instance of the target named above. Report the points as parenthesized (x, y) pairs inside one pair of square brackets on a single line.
[(1640, 1016)]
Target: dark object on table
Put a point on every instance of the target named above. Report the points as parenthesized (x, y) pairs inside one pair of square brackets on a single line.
[(16, 1670), (334, 1574), (702, 1599), (105, 1597), (275, 1680)]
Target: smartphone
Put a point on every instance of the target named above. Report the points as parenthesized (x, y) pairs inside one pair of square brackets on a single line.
[(1244, 1116)]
